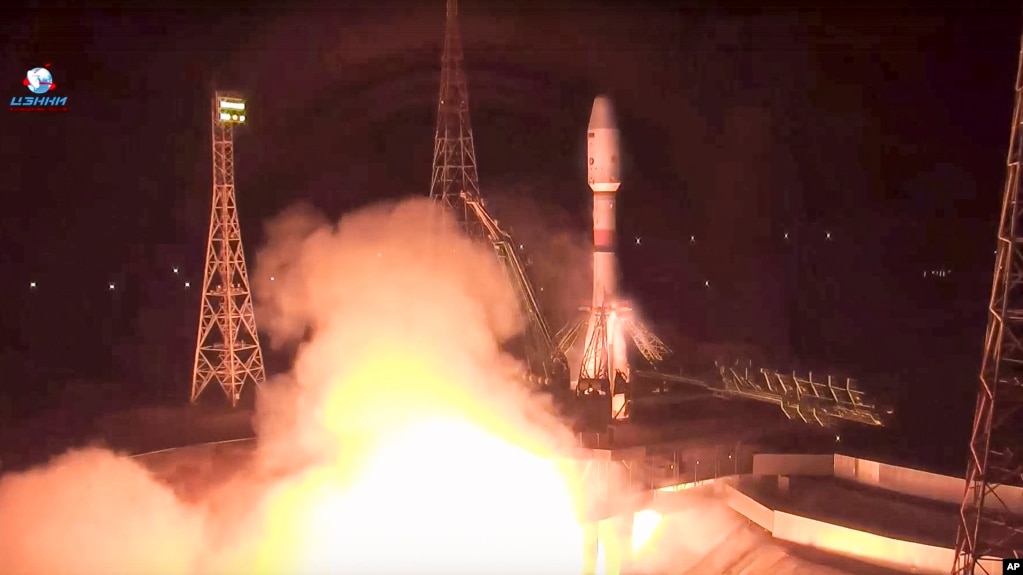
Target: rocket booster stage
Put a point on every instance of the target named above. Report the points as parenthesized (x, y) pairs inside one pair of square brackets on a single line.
[(603, 172)]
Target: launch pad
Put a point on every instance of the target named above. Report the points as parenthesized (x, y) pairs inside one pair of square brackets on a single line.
[(721, 506)]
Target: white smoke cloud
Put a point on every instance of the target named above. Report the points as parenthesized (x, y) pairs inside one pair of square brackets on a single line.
[(91, 512), (399, 321)]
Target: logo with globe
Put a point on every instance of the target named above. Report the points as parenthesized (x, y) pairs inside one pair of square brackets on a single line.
[(39, 81)]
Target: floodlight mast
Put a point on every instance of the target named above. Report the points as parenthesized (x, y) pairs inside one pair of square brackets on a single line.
[(227, 346)]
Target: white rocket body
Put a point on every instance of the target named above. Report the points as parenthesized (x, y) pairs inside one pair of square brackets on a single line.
[(603, 172)]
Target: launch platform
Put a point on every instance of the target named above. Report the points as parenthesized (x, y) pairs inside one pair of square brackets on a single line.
[(773, 513)]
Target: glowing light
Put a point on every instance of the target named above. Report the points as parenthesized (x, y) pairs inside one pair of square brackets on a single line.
[(224, 116), (232, 105), (428, 468), (644, 526), (273, 278), (398, 453), (450, 519), (111, 286), (188, 284), (32, 285), (175, 270)]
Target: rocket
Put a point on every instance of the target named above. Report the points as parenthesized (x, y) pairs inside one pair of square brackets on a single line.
[(603, 171)]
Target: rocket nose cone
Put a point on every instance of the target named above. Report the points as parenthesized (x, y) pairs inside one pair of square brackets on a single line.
[(602, 116)]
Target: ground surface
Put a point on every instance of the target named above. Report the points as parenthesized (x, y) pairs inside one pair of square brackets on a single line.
[(860, 507), (700, 535)]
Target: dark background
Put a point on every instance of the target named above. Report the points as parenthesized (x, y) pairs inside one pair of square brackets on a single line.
[(884, 126)]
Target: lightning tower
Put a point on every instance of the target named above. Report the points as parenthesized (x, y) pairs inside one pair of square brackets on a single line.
[(991, 516), (455, 184), (227, 348), (454, 153)]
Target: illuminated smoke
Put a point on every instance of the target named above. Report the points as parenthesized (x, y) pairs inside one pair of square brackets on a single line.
[(420, 439), (91, 512), (396, 443)]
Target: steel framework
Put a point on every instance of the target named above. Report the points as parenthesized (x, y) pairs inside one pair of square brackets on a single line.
[(547, 368), (455, 184), (809, 400), (227, 346), (595, 360), (990, 523), (594, 373), (454, 153)]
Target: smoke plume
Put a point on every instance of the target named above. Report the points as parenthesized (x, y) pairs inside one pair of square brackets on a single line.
[(397, 439), (91, 511), (395, 283)]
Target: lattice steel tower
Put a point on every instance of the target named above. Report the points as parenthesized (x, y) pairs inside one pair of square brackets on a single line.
[(991, 518), (454, 154), (455, 183), (227, 348)]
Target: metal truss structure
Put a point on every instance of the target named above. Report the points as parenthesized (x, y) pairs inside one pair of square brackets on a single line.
[(810, 401), (594, 373), (595, 357), (455, 184), (227, 346), (991, 514), (546, 366), (454, 153), (806, 399)]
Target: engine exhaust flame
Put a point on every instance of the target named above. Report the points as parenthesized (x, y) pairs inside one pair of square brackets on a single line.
[(396, 444)]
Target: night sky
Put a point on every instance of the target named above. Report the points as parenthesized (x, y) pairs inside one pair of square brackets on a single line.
[(883, 126)]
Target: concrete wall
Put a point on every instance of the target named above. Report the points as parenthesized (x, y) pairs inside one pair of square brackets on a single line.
[(839, 540), (862, 545), (881, 476), (750, 508), (869, 547), (785, 464), (915, 482)]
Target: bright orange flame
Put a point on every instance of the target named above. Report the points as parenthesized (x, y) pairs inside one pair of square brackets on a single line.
[(645, 525), (443, 497), (427, 479), (430, 460)]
